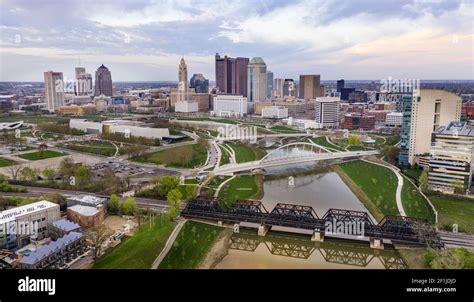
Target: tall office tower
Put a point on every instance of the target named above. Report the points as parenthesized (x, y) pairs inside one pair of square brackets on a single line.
[(340, 85), (240, 76), (199, 83), (309, 86), (269, 84), (422, 115), (452, 158), (289, 88), (257, 80), (103, 81), (231, 75), (182, 80), (327, 112), (278, 88), (83, 82), (54, 90)]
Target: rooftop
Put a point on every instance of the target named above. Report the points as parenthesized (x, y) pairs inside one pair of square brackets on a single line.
[(84, 210), (50, 248), (65, 225), (12, 214), (89, 199), (456, 129)]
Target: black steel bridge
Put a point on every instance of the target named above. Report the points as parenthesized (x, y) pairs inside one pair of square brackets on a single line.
[(395, 228)]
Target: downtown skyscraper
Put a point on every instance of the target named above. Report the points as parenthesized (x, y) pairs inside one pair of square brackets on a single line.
[(103, 81), (54, 90), (257, 80), (231, 75)]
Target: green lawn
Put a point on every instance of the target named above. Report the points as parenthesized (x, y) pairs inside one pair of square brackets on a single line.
[(357, 148), (452, 210), (283, 129), (5, 162), (413, 173), (245, 153), (379, 185), (191, 245), (140, 250), (414, 204), (323, 142), (225, 158), (203, 119), (240, 188), (38, 155), (188, 156), (100, 148), (392, 139)]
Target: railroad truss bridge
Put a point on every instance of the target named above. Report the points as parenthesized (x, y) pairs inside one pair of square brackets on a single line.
[(397, 229)]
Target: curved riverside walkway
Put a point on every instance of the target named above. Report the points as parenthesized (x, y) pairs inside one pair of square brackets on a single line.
[(169, 243), (398, 194)]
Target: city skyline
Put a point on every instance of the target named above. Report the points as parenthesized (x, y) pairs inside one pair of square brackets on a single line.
[(361, 40)]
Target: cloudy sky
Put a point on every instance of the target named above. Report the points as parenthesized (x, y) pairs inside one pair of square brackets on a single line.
[(144, 40)]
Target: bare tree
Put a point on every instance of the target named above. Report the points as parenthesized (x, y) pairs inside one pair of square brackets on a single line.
[(14, 171), (95, 237)]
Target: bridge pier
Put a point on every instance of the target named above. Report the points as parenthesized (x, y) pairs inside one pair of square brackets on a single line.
[(376, 243), (220, 223), (318, 236), (263, 230)]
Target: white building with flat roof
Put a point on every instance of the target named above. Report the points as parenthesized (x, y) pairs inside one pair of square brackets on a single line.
[(231, 105), (186, 106), (394, 119), (277, 112), (18, 225), (119, 126), (327, 112)]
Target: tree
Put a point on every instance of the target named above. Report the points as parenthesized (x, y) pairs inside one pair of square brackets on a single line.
[(174, 201), (390, 153), (113, 206), (164, 184), (58, 199), (423, 180), (95, 237), (83, 176), (191, 191), (111, 183), (42, 147), (48, 173), (14, 172), (129, 206), (66, 168), (354, 140), (28, 174)]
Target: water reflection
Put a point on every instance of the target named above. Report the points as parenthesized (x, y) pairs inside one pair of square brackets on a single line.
[(282, 250)]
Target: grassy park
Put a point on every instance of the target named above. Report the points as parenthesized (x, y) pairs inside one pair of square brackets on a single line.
[(414, 204), (374, 185), (188, 156), (191, 245), (322, 141), (95, 147), (241, 187), (38, 155), (5, 162), (454, 210), (140, 250), (245, 153)]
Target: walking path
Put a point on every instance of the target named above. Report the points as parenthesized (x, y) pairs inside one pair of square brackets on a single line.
[(222, 184), (169, 243), (398, 195)]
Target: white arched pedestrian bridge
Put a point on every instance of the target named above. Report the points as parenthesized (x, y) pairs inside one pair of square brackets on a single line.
[(294, 153)]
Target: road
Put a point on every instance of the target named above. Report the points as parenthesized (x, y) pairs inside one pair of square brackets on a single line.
[(40, 191)]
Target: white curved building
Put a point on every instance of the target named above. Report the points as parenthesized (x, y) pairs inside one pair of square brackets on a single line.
[(11, 126)]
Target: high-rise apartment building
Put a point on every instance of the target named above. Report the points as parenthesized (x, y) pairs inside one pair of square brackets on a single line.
[(327, 112), (103, 81), (310, 86), (451, 158), (422, 115), (257, 80), (231, 75), (182, 80), (269, 84), (54, 90)]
